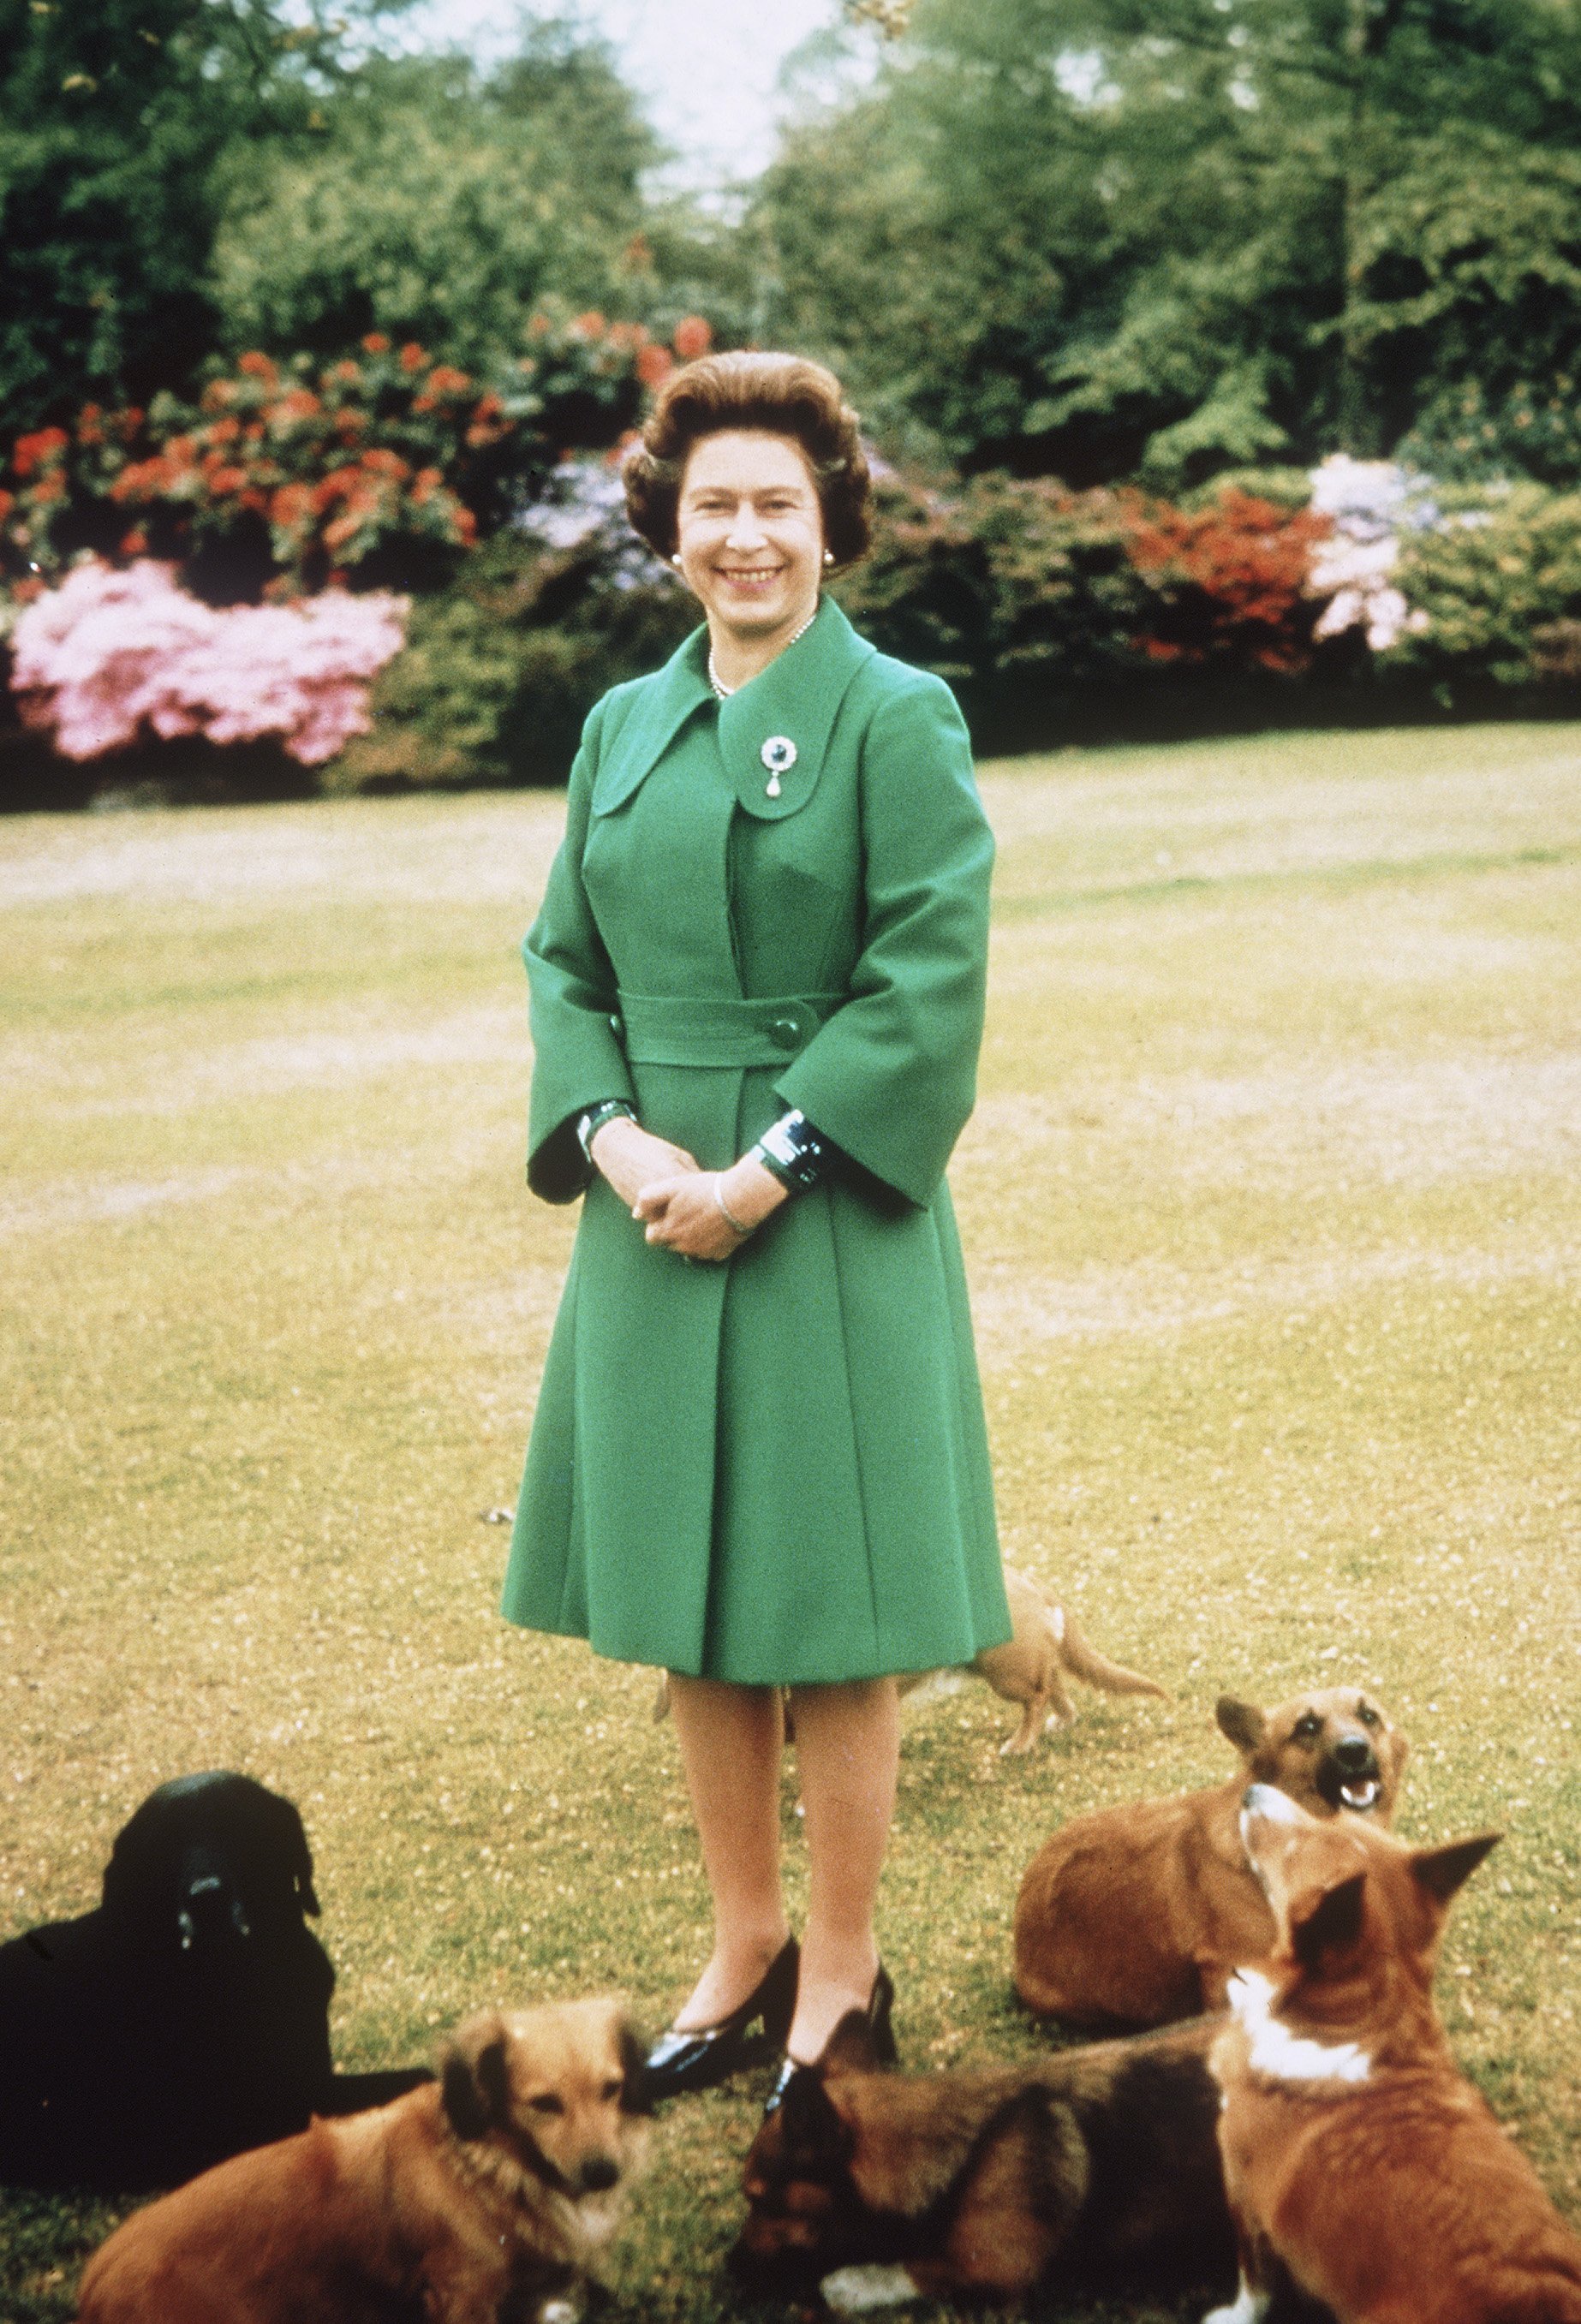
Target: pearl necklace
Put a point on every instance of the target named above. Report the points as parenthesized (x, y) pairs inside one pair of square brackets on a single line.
[(717, 683)]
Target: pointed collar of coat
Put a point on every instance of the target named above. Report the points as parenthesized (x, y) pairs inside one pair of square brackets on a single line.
[(793, 702)]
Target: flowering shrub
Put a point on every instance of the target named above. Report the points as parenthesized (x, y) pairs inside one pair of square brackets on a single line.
[(1368, 504), (1229, 581), (1026, 593), (925, 591), (110, 655), (502, 667), (1497, 584), (582, 507), (378, 469)]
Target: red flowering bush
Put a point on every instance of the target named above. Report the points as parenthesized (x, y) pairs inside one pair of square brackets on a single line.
[(1228, 581), (693, 337), (376, 470)]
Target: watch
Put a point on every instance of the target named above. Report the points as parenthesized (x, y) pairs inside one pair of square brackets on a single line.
[(593, 1120)]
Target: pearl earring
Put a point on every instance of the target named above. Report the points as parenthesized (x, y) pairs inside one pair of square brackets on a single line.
[(829, 556), (675, 560)]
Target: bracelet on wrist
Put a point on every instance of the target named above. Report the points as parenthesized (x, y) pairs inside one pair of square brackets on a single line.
[(731, 1220), (594, 1119)]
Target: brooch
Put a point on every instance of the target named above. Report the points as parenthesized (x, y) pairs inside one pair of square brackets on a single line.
[(779, 755)]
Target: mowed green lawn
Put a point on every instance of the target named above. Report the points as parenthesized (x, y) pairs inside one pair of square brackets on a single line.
[(1272, 1213)]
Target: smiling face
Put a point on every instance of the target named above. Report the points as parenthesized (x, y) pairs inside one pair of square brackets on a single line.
[(750, 537)]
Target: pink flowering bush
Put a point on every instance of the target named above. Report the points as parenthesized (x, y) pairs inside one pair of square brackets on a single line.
[(112, 654)]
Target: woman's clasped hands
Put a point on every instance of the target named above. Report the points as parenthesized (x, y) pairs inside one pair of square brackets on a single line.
[(696, 1213)]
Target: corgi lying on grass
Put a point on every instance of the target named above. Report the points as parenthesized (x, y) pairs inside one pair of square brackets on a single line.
[(1137, 1914)]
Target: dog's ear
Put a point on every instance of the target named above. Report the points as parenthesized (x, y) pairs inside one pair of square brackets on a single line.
[(1242, 1723), (1324, 1918), (290, 1839), (1442, 1871), (302, 1865), (475, 2081), (812, 2127), (634, 2059), (849, 2049)]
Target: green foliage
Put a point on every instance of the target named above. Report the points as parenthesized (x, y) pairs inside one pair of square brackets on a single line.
[(1467, 433), (925, 592), (440, 204), (1468, 258), (1500, 581), (1069, 598), (1164, 237), (1003, 586), (500, 670), (114, 120), (1288, 489), (179, 177)]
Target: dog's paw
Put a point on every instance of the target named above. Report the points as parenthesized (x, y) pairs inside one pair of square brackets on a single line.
[(862, 2290), (1250, 2308)]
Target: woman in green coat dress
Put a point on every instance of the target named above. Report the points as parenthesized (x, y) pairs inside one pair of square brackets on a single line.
[(759, 1459)]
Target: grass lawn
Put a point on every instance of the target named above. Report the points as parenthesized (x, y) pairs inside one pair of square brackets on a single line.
[(1273, 1214)]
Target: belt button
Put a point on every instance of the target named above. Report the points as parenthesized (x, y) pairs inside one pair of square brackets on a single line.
[(785, 1032)]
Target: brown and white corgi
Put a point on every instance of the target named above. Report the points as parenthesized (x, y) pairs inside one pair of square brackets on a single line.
[(1363, 2171), (1137, 1914)]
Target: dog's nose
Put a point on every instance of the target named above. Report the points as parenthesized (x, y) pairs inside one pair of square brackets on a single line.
[(1353, 1754), (601, 2171)]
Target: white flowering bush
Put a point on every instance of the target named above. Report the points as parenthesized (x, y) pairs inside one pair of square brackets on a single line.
[(1369, 505), (582, 507), (111, 655)]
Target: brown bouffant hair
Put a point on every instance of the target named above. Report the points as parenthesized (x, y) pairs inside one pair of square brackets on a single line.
[(784, 395)]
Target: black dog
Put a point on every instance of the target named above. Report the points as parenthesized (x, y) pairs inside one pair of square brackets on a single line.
[(188, 2016)]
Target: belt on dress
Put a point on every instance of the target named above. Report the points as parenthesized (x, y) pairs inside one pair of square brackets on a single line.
[(684, 1029)]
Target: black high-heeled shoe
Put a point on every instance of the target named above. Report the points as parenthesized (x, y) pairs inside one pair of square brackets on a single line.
[(695, 2059), (881, 2033)]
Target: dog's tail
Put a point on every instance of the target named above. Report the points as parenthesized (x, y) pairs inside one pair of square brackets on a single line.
[(1083, 1661)]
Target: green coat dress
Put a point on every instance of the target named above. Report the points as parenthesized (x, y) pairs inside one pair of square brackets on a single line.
[(774, 1470)]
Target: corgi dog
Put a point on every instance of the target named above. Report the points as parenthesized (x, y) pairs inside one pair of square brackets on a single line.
[(1046, 1647), (1363, 2171), (1136, 1916)]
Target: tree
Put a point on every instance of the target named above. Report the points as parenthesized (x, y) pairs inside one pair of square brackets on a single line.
[(440, 204), (1096, 235), (114, 115)]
